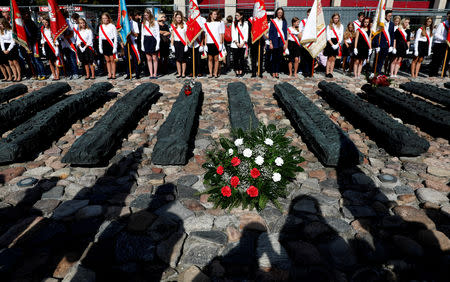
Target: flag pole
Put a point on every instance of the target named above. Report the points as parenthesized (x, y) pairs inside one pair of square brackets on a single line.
[(193, 61), (443, 65), (129, 60), (259, 57), (376, 57)]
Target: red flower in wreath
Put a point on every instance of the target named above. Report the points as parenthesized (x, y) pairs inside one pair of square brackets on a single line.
[(234, 181), (252, 191), (235, 161), (226, 191), (255, 173), (219, 170)]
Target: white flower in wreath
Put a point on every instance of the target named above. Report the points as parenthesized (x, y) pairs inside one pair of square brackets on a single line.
[(279, 161), (230, 152), (268, 142), (239, 142), (259, 160), (247, 153), (276, 177)]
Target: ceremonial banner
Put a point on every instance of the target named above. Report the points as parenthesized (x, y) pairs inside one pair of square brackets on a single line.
[(314, 37), (19, 33), (378, 20), (123, 23), (259, 21), (195, 22), (58, 23)]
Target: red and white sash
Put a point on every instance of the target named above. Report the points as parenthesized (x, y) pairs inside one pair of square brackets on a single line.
[(279, 32), (58, 58), (109, 41), (403, 35), (242, 37), (427, 36), (303, 22), (388, 37), (74, 49), (221, 55), (294, 37), (148, 30), (365, 36), (337, 37), (178, 34), (82, 40), (359, 26)]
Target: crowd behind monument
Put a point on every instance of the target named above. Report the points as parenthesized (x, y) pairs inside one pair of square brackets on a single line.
[(157, 45)]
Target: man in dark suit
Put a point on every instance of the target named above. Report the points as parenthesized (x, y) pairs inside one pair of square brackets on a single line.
[(384, 41)]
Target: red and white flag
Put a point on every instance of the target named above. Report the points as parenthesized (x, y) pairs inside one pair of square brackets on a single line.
[(19, 33), (314, 37), (195, 22), (259, 20), (58, 23)]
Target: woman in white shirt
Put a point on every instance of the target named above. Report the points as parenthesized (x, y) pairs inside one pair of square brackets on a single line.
[(107, 44), (85, 48), (150, 39), (50, 48), (335, 34), (179, 42), (294, 46), (9, 49), (4, 64), (214, 37), (422, 45), (239, 36)]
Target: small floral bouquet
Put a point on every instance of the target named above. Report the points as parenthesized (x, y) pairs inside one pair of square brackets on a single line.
[(252, 170), (378, 80)]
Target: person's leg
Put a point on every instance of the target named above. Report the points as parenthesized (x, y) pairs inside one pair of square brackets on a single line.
[(52, 68), (394, 61), (418, 64), (14, 70), (333, 61), (210, 64), (413, 66), (178, 68), (74, 64), (355, 67), (3, 70), (56, 70), (155, 64), (108, 66), (397, 65), (113, 67), (92, 67), (216, 65), (381, 58), (86, 69), (148, 57), (183, 69), (296, 62)]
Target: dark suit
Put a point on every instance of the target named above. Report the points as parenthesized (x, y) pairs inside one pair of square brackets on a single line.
[(384, 45), (277, 43)]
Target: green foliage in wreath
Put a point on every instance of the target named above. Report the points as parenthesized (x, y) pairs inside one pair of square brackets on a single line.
[(251, 170)]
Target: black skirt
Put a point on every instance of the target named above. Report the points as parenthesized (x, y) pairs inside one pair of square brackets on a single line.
[(294, 50), (329, 51), (423, 48), (149, 45), (3, 58), (13, 54), (212, 49), (180, 55), (347, 51), (49, 53), (363, 49), (86, 57), (107, 48)]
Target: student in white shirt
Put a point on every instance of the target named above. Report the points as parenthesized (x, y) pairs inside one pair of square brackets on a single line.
[(107, 44), (50, 48), (214, 38), (358, 22), (6, 51), (239, 35), (335, 35), (422, 45), (294, 45), (179, 42), (85, 48), (150, 39), (439, 48)]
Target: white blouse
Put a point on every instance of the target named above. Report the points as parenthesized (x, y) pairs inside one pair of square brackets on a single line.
[(7, 37), (292, 31), (181, 32), (87, 36), (216, 28), (420, 38), (154, 32), (339, 31), (236, 36), (48, 34), (279, 23), (134, 28), (111, 32)]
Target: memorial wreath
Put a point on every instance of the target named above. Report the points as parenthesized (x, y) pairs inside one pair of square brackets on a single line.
[(251, 170)]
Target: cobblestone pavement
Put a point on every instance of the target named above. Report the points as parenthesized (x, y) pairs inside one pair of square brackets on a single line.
[(134, 221)]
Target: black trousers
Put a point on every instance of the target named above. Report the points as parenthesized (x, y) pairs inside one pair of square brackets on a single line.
[(437, 59), (254, 55), (134, 62), (305, 62), (381, 58), (277, 57), (238, 58)]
